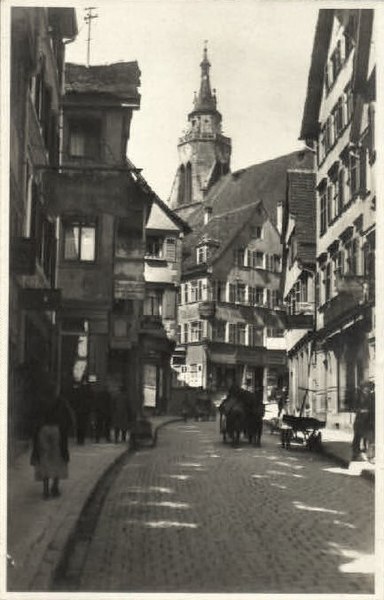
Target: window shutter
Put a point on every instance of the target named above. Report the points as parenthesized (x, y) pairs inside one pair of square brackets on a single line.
[(363, 170), (169, 304), (170, 249), (329, 202)]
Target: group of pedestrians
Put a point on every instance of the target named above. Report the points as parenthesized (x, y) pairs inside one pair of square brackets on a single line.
[(100, 414), (83, 412)]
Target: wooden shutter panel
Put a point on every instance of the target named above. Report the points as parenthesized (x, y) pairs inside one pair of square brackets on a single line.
[(170, 249), (169, 304)]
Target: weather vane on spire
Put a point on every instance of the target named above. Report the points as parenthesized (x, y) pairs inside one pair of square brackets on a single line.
[(88, 19)]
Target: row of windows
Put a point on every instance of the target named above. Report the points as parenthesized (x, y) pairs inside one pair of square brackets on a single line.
[(243, 257), (80, 241), (340, 188), (340, 54), (199, 290), (239, 293), (242, 334), (335, 124), (297, 296), (353, 259)]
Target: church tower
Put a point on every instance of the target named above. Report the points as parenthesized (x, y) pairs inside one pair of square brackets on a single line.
[(204, 152)]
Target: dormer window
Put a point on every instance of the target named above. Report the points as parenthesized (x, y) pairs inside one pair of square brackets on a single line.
[(84, 138), (201, 254), (207, 214)]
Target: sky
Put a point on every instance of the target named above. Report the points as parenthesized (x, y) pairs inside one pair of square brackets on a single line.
[(259, 53)]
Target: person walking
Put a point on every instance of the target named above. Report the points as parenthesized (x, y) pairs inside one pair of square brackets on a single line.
[(81, 404), (50, 454), (103, 411), (120, 414), (364, 424)]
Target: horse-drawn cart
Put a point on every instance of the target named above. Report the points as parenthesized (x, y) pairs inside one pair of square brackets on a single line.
[(304, 430), (242, 412)]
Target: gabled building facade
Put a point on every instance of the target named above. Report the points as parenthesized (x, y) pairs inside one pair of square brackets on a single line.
[(103, 206), (227, 319), (339, 122), (231, 323), (297, 224), (162, 274), (38, 37)]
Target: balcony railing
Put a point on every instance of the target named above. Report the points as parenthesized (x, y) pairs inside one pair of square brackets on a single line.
[(352, 291), (299, 321)]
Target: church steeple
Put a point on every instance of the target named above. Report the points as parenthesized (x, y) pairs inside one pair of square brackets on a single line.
[(205, 100), (204, 151)]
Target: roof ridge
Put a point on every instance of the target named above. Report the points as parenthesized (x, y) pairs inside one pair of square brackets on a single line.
[(229, 212)]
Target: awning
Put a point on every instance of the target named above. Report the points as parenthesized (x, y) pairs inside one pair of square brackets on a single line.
[(254, 357)]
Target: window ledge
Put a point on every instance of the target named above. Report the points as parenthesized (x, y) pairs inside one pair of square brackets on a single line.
[(158, 259), (78, 263)]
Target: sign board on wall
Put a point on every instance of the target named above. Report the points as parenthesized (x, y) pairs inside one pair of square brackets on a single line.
[(128, 290), (149, 385)]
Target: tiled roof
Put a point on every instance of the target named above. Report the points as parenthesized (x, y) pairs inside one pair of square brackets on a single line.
[(119, 80), (265, 181), (234, 198)]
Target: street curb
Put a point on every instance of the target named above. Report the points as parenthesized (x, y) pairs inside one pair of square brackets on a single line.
[(63, 555), (63, 558), (338, 459), (365, 473), (170, 420)]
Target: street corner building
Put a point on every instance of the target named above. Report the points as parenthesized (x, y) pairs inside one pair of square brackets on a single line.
[(337, 353), (93, 299)]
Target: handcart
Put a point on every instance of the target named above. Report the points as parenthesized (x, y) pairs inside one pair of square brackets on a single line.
[(304, 430)]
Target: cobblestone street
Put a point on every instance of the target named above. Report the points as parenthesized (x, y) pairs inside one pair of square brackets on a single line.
[(196, 515)]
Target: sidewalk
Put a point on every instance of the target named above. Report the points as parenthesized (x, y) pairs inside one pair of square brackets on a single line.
[(337, 445), (38, 530)]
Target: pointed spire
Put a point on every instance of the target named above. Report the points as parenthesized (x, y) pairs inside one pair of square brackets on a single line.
[(205, 99)]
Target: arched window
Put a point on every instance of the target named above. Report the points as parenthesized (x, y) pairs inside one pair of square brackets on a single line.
[(188, 184), (180, 195)]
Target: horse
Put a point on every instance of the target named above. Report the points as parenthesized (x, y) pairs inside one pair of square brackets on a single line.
[(232, 419), (235, 423), (254, 424)]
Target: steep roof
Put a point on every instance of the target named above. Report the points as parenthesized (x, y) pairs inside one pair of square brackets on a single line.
[(309, 125), (235, 197), (265, 181), (119, 80), (146, 188)]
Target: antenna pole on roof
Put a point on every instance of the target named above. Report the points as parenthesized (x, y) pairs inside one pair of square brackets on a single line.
[(88, 19)]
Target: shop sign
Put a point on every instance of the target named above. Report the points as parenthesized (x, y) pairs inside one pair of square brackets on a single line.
[(129, 290)]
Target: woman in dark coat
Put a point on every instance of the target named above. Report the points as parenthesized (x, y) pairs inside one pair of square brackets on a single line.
[(50, 455)]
